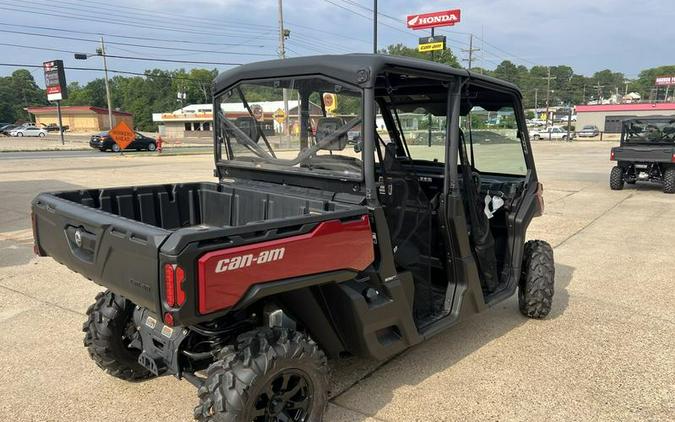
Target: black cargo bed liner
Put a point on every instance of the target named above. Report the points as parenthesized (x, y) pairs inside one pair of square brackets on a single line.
[(175, 206)]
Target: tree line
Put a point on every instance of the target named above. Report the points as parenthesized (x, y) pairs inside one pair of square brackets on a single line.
[(156, 91)]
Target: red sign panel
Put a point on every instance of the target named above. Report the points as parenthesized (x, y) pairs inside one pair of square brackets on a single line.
[(432, 20), (665, 80), (225, 275)]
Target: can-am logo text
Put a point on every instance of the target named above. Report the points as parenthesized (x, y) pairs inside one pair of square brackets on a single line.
[(430, 20), (243, 261)]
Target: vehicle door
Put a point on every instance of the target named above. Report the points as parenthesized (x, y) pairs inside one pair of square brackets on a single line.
[(138, 142), (31, 131), (495, 163)]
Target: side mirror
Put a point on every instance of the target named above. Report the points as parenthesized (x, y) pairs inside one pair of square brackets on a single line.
[(358, 146)]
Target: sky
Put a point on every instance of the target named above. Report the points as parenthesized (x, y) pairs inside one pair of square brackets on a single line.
[(620, 35)]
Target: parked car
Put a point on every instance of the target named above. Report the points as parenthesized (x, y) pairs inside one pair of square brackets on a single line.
[(244, 286), (53, 127), (7, 128), (28, 131), (588, 131), (553, 132), (103, 142)]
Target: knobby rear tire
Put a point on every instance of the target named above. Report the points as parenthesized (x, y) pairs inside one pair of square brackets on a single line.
[(107, 320), (234, 382), (616, 179), (669, 180)]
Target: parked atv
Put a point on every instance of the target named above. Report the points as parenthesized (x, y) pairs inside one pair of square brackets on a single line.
[(310, 246), (646, 153)]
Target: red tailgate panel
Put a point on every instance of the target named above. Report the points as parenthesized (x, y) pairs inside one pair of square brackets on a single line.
[(225, 275)]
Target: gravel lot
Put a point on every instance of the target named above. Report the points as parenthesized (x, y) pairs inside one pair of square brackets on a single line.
[(607, 351)]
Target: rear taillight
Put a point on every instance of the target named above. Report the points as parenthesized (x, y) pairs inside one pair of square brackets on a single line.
[(174, 276), (180, 293), (611, 156), (169, 285), (168, 319), (672, 159)]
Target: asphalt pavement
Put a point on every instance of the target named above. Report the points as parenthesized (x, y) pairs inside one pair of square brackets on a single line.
[(605, 353), (64, 154)]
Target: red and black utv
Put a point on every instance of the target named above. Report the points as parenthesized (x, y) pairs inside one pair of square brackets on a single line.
[(363, 203)]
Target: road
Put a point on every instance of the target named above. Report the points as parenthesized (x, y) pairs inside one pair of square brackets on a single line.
[(606, 352), (63, 154)]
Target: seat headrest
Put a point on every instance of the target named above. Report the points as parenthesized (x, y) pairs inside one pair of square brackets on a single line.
[(247, 124), (325, 127)]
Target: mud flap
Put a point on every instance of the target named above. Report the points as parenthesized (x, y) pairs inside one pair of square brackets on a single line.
[(160, 343)]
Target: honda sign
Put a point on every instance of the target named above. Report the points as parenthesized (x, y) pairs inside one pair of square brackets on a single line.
[(432, 20)]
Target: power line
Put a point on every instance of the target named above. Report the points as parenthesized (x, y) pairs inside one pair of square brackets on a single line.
[(96, 11), (46, 28), (369, 18), (157, 47), (154, 59), (97, 69), (270, 28), (180, 16), (118, 22), (149, 59)]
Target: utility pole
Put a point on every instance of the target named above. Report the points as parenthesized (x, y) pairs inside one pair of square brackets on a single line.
[(282, 55), (548, 92), (599, 88), (470, 51), (536, 91), (626, 82), (107, 86), (583, 98), (375, 27)]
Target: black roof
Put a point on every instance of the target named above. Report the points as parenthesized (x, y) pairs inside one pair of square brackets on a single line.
[(342, 67)]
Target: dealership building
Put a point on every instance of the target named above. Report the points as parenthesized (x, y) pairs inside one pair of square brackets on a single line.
[(80, 118), (608, 117), (195, 120)]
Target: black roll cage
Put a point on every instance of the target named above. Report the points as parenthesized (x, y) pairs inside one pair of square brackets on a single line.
[(455, 83)]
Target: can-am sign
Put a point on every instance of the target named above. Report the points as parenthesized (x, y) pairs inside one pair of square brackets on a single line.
[(432, 20)]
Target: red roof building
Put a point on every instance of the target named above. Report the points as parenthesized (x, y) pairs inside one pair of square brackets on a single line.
[(608, 117), (80, 118)]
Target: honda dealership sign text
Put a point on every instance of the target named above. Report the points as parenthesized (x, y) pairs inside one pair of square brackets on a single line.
[(431, 20)]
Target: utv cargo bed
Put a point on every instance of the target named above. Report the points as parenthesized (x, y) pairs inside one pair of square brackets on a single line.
[(115, 236), (644, 153)]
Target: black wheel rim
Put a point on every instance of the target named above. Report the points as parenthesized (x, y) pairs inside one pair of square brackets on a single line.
[(131, 338), (286, 397)]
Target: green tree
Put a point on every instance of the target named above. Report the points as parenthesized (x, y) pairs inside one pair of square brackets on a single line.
[(644, 85), (609, 82), (17, 92), (445, 56)]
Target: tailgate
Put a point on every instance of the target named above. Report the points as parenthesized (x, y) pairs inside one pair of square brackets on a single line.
[(115, 252), (663, 154)]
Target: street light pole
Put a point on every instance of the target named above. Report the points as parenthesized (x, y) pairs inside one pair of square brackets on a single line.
[(107, 86), (375, 27), (282, 55)]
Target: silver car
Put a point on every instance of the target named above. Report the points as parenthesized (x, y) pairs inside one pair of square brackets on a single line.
[(28, 131)]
